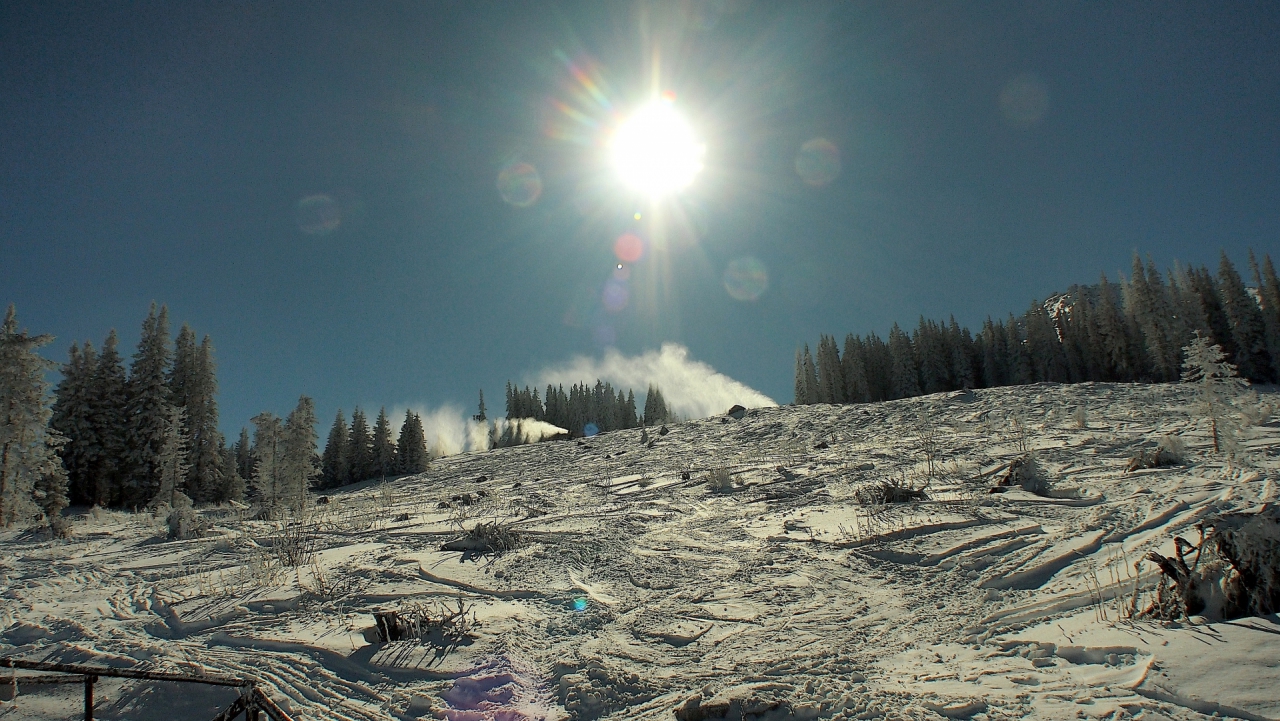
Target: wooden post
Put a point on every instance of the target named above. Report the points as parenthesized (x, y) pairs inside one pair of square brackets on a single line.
[(88, 697)]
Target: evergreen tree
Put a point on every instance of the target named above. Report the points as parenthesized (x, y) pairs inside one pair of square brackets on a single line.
[(267, 482), (147, 410), (802, 387), (360, 447), (1247, 326), (1217, 385), (299, 458), (335, 464), (931, 357), (72, 417), (629, 410), (853, 368), (243, 452), (830, 377), (413, 445), (480, 417), (172, 462), (810, 377), (198, 399), (655, 407), (31, 473), (234, 484), (384, 449), (903, 374), (110, 415), (1269, 292)]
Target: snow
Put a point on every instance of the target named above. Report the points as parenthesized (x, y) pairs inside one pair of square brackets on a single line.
[(638, 592)]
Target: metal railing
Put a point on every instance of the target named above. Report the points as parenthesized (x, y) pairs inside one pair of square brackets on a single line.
[(252, 701)]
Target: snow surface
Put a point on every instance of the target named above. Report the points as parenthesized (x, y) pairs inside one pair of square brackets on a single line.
[(637, 591)]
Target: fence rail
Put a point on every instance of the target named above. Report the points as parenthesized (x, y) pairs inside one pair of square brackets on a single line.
[(251, 703)]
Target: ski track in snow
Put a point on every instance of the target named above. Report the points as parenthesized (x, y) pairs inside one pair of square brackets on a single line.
[(636, 588)]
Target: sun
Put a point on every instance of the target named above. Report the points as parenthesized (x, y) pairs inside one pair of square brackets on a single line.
[(655, 150)]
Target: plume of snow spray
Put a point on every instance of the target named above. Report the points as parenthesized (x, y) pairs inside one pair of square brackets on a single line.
[(692, 389)]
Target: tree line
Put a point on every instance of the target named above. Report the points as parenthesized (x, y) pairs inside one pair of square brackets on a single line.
[(145, 437), (1131, 330), (353, 454), (601, 406)]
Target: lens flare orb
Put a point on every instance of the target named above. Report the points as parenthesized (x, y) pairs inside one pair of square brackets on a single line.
[(818, 162), (615, 295), (655, 150), (746, 278), (520, 185), (318, 215), (629, 247)]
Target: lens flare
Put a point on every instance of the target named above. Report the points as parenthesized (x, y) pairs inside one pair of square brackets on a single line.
[(318, 215), (818, 162), (520, 185), (629, 248), (655, 151), (588, 430), (615, 296), (746, 278), (1024, 101)]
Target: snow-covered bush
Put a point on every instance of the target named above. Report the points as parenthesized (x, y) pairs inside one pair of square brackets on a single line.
[(720, 479), (1235, 570)]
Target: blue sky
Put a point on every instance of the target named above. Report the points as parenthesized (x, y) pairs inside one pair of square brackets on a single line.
[(989, 154)]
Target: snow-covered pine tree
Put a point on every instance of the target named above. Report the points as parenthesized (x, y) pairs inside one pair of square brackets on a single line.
[(109, 400), (360, 447), (299, 459), (148, 398), (413, 445), (72, 417), (384, 448), (1217, 385), (1252, 359), (335, 463), (172, 462), (480, 416), (31, 473), (903, 374), (267, 483)]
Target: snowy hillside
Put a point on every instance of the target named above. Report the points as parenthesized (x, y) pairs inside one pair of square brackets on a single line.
[(633, 589)]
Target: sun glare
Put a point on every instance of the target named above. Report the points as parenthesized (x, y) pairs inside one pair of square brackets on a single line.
[(655, 150)]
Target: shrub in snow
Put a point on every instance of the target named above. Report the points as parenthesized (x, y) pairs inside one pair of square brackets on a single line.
[(720, 479), (1235, 570), (485, 538), (1025, 472), (894, 490), (1171, 450), (183, 520)]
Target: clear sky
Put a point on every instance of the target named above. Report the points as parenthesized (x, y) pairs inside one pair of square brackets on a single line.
[(320, 186)]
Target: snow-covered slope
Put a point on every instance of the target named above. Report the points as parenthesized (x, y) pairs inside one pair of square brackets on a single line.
[(636, 590)]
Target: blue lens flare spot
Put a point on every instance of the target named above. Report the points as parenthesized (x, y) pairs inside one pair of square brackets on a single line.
[(580, 604)]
